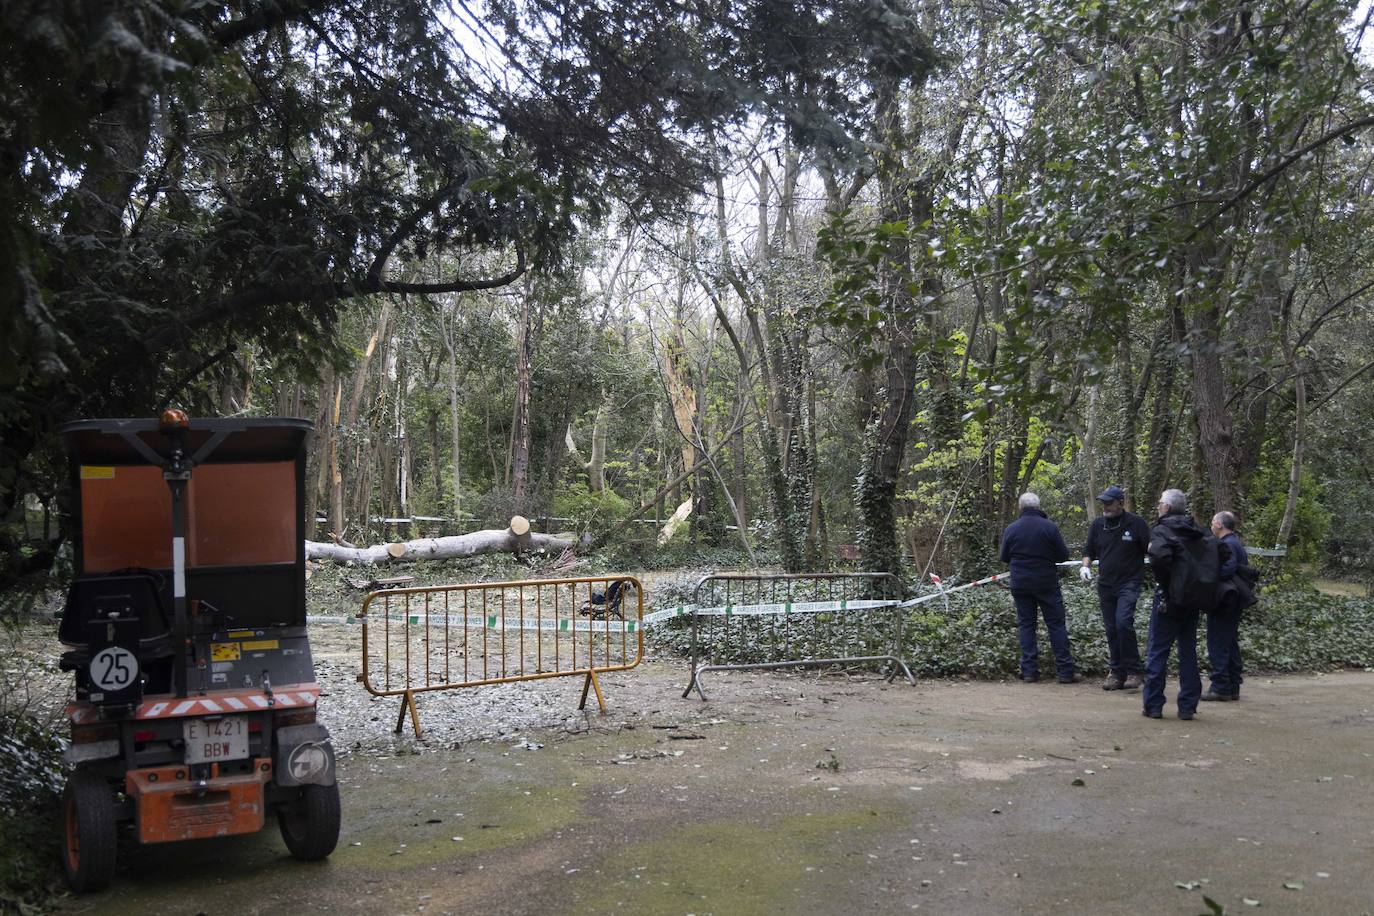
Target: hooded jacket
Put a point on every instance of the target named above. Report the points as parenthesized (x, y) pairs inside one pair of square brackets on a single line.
[(1167, 542), (1031, 546)]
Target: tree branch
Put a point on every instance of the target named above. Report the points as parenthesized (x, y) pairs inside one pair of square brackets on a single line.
[(1275, 170), (263, 297), (267, 16)]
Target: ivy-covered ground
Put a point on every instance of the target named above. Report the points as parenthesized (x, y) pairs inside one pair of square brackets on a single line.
[(973, 633)]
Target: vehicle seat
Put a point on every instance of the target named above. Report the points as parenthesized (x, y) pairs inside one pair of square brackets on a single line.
[(141, 591)]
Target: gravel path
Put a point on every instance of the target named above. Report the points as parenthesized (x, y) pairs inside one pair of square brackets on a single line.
[(359, 722)]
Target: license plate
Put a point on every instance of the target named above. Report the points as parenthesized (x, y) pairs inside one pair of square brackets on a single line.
[(213, 740)]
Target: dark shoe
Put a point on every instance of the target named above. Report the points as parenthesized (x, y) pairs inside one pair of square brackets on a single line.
[(1031, 679), (1071, 679), (1211, 696), (1185, 714), (1113, 683), (1132, 682), (1152, 713)]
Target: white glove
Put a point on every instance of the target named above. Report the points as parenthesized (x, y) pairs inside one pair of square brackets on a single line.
[(1085, 573)]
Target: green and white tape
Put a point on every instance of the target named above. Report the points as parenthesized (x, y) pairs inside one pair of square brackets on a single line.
[(770, 609), (566, 625)]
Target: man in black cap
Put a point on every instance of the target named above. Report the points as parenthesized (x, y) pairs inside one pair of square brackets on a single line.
[(1118, 541)]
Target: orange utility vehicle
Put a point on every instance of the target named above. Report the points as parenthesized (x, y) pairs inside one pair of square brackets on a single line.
[(185, 626)]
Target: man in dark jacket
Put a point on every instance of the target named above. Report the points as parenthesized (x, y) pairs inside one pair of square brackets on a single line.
[(1117, 540), (1172, 620), (1223, 624), (1032, 545)]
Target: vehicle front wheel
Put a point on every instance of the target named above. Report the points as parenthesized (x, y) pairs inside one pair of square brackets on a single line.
[(88, 848), (310, 824)]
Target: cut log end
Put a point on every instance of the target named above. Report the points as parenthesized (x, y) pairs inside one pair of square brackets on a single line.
[(519, 525), (396, 550)]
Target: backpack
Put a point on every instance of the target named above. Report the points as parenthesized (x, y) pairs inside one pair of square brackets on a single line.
[(1195, 577), (1246, 582)]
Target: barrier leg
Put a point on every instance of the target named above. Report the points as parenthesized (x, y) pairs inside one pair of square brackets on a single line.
[(900, 667), (589, 683), (694, 682), (408, 703), (899, 664)]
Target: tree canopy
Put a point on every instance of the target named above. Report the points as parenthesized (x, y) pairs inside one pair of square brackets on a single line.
[(849, 271)]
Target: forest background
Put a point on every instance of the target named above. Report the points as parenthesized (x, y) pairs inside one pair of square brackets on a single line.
[(848, 275)]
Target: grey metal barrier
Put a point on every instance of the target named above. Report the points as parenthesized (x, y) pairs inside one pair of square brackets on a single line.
[(791, 617)]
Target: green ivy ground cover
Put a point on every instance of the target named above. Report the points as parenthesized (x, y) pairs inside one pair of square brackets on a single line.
[(973, 634)]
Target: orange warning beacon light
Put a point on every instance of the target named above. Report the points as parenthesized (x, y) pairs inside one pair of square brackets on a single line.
[(173, 418)]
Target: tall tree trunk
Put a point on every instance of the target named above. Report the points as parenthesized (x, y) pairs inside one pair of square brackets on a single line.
[(737, 454), (451, 345), (1090, 453), (1290, 508), (1139, 390), (594, 466), (1154, 479), (336, 496), (436, 467), (596, 462), (317, 467), (112, 170), (1014, 455), (374, 423), (677, 374), (1211, 409), (347, 421), (891, 390), (360, 379), (777, 443), (520, 452)]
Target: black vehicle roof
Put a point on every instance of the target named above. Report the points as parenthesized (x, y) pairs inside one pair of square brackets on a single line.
[(101, 442)]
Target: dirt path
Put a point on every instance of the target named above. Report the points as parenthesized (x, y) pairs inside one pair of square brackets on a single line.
[(805, 794)]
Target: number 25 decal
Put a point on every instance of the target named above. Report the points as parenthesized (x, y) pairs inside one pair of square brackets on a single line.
[(114, 668)]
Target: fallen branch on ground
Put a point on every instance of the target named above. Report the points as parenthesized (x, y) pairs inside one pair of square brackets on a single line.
[(516, 539)]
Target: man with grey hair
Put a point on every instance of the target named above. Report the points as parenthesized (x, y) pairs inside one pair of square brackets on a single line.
[(1223, 623), (1031, 546), (1187, 567)]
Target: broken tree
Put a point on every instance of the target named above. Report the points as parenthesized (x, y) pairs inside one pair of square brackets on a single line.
[(515, 539)]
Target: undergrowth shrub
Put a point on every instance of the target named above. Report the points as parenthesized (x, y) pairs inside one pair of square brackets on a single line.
[(973, 633)]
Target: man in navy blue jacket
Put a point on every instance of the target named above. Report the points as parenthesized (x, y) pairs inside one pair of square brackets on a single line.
[(1032, 545), (1223, 623)]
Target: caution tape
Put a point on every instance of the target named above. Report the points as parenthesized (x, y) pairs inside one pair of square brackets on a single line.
[(769, 609), (946, 592), (784, 608), (565, 625)]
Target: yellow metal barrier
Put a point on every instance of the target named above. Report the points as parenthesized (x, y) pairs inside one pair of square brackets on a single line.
[(450, 636)]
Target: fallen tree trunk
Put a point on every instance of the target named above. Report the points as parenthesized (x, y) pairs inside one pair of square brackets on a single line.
[(516, 538)]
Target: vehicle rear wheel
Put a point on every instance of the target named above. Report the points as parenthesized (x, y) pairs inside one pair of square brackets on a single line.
[(88, 849), (310, 824)]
